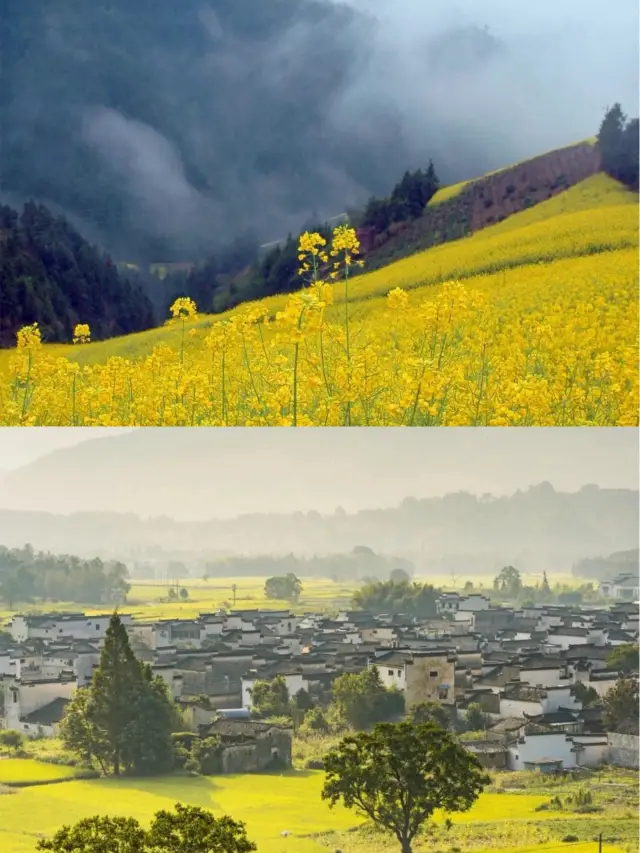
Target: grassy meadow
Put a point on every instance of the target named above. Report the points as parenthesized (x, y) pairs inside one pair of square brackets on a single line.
[(271, 804), (148, 600), (532, 321)]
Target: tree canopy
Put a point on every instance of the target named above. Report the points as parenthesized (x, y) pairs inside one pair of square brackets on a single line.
[(271, 698), (624, 658), (618, 142), (508, 582), (51, 276), (188, 829), (412, 599), (26, 575), (124, 719), (620, 706), (361, 699), (399, 774), (287, 587)]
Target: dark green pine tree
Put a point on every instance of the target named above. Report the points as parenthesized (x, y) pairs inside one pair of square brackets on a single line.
[(114, 685), (124, 719)]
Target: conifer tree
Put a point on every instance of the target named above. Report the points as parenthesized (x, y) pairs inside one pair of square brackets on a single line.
[(124, 719)]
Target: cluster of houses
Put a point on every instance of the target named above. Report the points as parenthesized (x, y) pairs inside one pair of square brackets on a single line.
[(520, 666)]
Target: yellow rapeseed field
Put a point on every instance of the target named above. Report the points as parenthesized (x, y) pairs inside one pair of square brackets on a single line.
[(533, 321)]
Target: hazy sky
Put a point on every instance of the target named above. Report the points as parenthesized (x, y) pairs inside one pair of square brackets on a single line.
[(202, 473), (18, 446)]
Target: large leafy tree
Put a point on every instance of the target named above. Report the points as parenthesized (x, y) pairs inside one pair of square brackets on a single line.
[(193, 830), (98, 835), (124, 719), (624, 658), (393, 596), (361, 699), (509, 582), (271, 698), (429, 712), (187, 830), (287, 587), (399, 774), (620, 706)]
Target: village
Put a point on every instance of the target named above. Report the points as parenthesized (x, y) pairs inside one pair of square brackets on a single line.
[(520, 666)]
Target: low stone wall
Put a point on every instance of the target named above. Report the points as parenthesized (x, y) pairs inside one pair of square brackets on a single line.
[(623, 750)]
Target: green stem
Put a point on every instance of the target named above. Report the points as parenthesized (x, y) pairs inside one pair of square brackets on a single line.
[(346, 325), (26, 389), (295, 373)]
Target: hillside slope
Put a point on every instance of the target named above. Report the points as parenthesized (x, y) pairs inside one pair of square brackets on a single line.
[(541, 328), (582, 214), (51, 276), (465, 208)]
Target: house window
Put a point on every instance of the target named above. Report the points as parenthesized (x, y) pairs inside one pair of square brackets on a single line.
[(434, 673), (399, 672), (97, 627), (390, 672)]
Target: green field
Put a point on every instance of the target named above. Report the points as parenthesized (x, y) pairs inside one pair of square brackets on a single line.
[(269, 805), (149, 600), (28, 771)]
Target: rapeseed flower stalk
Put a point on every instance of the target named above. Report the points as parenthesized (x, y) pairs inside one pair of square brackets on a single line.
[(183, 309), (81, 334)]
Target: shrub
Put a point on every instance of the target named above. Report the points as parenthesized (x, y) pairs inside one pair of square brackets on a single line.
[(11, 740), (207, 753), (315, 722)]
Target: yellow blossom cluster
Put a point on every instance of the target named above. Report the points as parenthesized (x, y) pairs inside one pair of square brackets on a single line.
[(184, 308), (81, 334)]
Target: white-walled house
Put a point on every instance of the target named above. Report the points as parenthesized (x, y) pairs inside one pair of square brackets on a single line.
[(36, 707), (52, 627), (554, 675), (421, 675), (285, 625), (564, 638), (448, 603), (518, 700), (384, 635), (7, 664), (601, 680), (625, 587), (473, 602), (295, 682), (540, 751)]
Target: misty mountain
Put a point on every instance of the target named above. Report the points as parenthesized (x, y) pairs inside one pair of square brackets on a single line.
[(159, 494), (51, 276), (537, 529), (164, 130)]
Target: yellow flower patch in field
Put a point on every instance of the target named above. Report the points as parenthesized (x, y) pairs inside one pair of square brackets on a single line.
[(533, 322)]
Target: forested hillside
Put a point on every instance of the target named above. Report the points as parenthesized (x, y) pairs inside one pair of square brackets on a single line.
[(164, 131), (51, 276)]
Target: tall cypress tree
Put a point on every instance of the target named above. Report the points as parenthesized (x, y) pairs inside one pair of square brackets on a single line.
[(124, 719)]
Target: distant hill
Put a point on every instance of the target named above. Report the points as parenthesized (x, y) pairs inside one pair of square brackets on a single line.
[(535, 529), (607, 568), (538, 529), (51, 276)]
